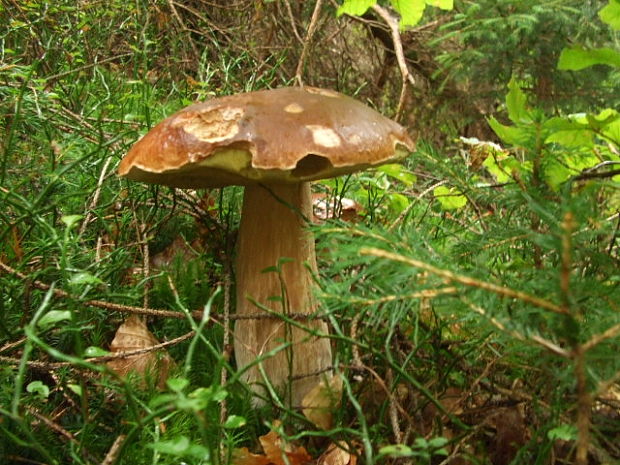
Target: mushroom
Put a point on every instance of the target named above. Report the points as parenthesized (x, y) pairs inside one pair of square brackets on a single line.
[(273, 142)]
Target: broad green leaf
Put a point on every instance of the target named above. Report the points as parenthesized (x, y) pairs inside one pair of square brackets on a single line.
[(563, 432), (511, 135), (92, 351), (84, 277), (397, 450), (52, 317), (437, 442), (605, 117), (558, 170), (410, 11), (398, 202), (399, 172), (572, 138), (177, 384), (610, 14), (355, 7), (181, 446), (70, 220), (493, 164), (76, 388), (569, 132), (576, 58), (611, 132), (38, 388), (516, 103), (234, 421), (450, 198), (443, 4)]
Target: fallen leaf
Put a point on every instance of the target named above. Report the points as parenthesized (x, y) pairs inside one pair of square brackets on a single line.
[(244, 457), (275, 449), (134, 335), (321, 401), (336, 454)]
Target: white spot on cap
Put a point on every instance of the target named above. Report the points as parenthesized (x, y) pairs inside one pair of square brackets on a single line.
[(293, 108), (324, 136)]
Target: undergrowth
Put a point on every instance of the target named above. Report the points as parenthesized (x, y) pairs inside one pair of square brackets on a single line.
[(472, 294)]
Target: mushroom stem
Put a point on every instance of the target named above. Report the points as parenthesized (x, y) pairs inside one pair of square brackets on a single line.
[(272, 227)]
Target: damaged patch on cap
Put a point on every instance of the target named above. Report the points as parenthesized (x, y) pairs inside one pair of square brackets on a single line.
[(293, 108), (325, 137), (212, 125)]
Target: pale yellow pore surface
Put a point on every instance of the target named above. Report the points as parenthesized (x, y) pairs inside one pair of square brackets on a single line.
[(271, 230)]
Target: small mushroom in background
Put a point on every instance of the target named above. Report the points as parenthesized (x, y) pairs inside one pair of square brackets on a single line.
[(327, 207), (274, 142)]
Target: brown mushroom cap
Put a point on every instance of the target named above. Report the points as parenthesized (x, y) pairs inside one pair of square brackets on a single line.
[(285, 135)]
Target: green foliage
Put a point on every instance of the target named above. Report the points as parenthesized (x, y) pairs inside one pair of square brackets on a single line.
[(610, 14), (478, 270), (422, 449), (576, 58), (410, 11), (489, 42)]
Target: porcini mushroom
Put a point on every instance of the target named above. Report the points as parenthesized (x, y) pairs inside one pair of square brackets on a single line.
[(273, 142)]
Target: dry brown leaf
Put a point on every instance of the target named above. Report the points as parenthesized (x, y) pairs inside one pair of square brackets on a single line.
[(134, 335), (336, 454), (275, 448), (321, 401), (244, 457)]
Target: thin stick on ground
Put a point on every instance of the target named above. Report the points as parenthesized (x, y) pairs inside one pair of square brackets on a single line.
[(466, 280), (407, 77), (96, 195), (304, 51), (104, 358)]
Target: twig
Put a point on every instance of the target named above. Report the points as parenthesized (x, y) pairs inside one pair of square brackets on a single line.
[(550, 346), (115, 448), (103, 358), (393, 408), (466, 280), (146, 264), (12, 345), (90, 65), (304, 51), (60, 430), (171, 4), (423, 294), (196, 314), (96, 195), (407, 77), (225, 343), (568, 225), (355, 350), (612, 241), (289, 10), (598, 338), (584, 407)]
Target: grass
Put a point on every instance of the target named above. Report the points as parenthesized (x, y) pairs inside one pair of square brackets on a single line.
[(493, 325)]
